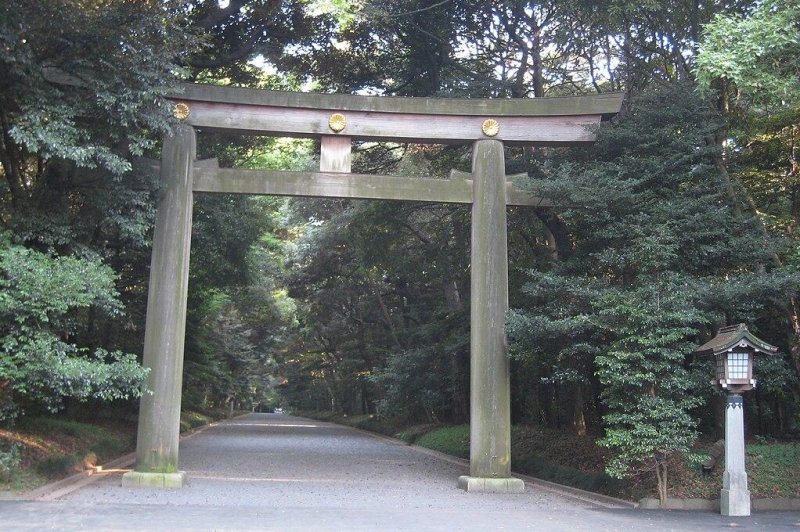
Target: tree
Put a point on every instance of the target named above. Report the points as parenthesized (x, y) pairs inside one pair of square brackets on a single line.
[(645, 275), (751, 65), (758, 53), (78, 101), (380, 284), (39, 363)]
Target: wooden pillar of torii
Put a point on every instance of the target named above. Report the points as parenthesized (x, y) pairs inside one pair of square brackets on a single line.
[(337, 120)]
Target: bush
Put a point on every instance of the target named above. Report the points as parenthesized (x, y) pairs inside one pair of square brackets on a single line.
[(9, 462), (450, 440), (191, 420), (545, 470), (41, 293), (414, 433), (56, 466)]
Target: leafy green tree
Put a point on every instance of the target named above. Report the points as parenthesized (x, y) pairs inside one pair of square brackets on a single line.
[(750, 63), (238, 315), (40, 364), (379, 285), (78, 101), (89, 92), (758, 53)]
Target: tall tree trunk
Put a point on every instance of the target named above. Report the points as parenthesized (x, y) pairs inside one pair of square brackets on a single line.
[(578, 418)]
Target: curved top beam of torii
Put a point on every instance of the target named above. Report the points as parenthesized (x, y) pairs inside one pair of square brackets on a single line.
[(529, 121)]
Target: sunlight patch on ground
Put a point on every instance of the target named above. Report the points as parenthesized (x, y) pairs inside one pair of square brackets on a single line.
[(257, 479), (271, 425)]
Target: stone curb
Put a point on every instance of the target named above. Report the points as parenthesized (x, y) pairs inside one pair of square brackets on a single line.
[(55, 490), (712, 505), (576, 494)]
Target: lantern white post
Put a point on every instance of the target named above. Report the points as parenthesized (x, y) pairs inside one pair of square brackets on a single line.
[(734, 349), (734, 497)]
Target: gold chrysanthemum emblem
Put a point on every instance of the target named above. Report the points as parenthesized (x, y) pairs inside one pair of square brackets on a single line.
[(490, 127), (181, 111), (337, 122)]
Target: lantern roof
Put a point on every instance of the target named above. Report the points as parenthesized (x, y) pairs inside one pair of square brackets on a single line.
[(735, 336)]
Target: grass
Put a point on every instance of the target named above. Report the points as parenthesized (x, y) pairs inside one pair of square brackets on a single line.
[(540, 452), (774, 469), (450, 440), (413, 433)]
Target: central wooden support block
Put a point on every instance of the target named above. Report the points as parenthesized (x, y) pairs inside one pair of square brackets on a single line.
[(490, 396), (335, 155)]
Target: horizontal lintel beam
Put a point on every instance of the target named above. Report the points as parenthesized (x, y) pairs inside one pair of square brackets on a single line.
[(207, 178)]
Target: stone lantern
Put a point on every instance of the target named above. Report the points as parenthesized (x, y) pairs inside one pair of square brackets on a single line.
[(734, 349)]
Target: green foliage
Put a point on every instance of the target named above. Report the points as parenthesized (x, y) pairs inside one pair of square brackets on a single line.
[(382, 320), (412, 383), (117, 60), (759, 53), (10, 460), (648, 391), (41, 295), (561, 474), (450, 440), (772, 469), (413, 433), (191, 420), (659, 253), (239, 314)]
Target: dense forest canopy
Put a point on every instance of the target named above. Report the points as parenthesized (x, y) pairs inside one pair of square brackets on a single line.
[(683, 218)]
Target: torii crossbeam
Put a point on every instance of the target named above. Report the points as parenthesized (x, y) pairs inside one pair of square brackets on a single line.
[(337, 120)]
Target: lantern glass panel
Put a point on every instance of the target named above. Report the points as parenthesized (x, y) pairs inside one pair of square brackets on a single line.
[(721, 367), (738, 365)]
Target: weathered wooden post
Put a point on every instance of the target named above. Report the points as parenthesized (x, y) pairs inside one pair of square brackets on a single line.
[(490, 396), (160, 407)]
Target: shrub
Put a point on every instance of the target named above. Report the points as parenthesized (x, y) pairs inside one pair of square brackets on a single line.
[(9, 462)]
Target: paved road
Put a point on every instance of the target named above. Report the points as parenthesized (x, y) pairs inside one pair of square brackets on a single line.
[(277, 472)]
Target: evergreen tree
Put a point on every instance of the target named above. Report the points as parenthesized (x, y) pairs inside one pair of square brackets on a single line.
[(659, 256)]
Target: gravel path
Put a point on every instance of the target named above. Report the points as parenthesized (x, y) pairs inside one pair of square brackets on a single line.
[(277, 472), (282, 461)]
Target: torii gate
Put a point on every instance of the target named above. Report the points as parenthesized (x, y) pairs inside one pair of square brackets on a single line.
[(337, 120)]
